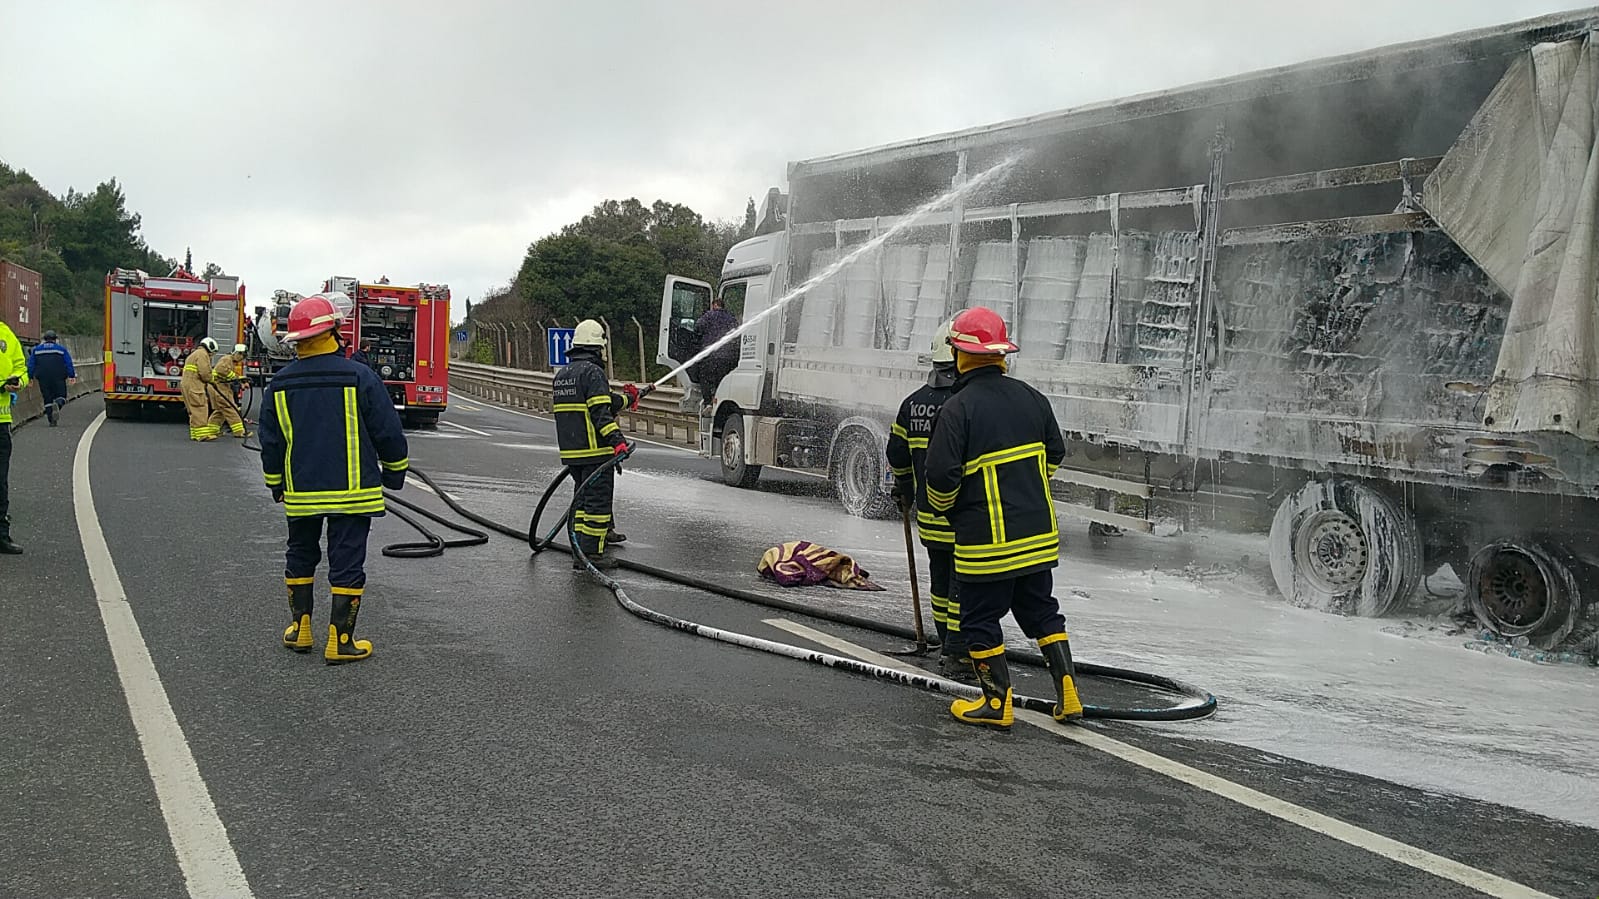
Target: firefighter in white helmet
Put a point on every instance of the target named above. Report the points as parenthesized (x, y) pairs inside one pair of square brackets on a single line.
[(196, 383), (589, 435), (223, 392)]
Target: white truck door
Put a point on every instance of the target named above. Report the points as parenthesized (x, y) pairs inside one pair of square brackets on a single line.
[(683, 301)]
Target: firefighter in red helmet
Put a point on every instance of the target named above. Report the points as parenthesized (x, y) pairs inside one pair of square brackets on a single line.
[(330, 443), (994, 447)]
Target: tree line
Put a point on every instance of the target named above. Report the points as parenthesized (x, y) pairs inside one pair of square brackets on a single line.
[(72, 241), (611, 264)]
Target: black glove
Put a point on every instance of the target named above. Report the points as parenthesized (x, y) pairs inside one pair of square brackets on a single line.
[(277, 494), (13, 382), (904, 492), (393, 480)]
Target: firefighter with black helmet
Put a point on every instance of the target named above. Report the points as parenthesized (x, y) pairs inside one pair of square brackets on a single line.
[(993, 450), (589, 435), (907, 459), (331, 443)]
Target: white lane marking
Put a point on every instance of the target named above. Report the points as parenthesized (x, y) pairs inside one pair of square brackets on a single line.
[(466, 429), (1343, 831), (461, 405), (205, 854)]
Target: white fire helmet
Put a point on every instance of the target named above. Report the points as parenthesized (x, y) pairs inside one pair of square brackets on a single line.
[(943, 353), (589, 333), (209, 344)]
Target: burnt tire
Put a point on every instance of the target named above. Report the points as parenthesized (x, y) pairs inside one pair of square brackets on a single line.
[(1340, 546), (857, 473), (735, 471), (1523, 589)]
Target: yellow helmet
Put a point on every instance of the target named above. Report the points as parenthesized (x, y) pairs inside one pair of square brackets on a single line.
[(589, 333), (943, 353)]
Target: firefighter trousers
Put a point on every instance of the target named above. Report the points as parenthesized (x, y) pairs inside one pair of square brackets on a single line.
[(199, 408), (224, 411), (1029, 598), (945, 589), (346, 550), (592, 516)]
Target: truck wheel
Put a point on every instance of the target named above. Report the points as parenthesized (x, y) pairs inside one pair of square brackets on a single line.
[(119, 410), (858, 467), (1521, 588), (735, 471), (1340, 546)]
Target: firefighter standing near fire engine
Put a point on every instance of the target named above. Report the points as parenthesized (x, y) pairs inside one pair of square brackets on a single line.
[(907, 458), (223, 393), (196, 382), (993, 450), (331, 442), (588, 434)]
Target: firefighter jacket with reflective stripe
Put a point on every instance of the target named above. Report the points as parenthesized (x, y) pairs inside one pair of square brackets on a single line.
[(585, 411), (907, 457), (226, 370), (993, 450), (197, 368), (13, 364), (330, 438)]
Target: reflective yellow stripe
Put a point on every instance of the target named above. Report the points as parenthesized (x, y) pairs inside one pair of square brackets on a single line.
[(299, 581), (898, 431), (570, 407), (1000, 457), (352, 440), (1052, 638), (610, 429), (996, 514), (1014, 563), (586, 453), (362, 509), (993, 550), (935, 536), (401, 465), (902, 472), (603, 399), (358, 493), (273, 480), (348, 591), (988, 653), (190, 368), (930, 518), (588, 531), (280, 401)]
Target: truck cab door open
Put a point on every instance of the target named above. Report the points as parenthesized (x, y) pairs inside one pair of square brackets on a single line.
[(682, 303)]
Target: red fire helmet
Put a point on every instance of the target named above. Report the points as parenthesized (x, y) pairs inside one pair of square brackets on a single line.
[(312, 316), (980, 331)]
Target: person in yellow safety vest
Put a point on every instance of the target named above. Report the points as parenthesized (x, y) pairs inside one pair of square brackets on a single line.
[(331, 443), (13, 377), (994, 448), (588, 435), (907, 459), (197, 378), (222, 392)]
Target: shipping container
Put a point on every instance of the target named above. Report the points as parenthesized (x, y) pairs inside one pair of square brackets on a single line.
[(21, 300)]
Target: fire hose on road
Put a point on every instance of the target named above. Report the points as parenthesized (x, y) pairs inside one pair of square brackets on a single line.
[(1194, 701)]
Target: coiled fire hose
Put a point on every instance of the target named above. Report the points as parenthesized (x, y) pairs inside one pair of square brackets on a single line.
[(1195, 702)]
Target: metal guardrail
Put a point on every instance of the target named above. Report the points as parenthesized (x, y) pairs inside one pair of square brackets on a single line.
[(658, 415), (30, 403)]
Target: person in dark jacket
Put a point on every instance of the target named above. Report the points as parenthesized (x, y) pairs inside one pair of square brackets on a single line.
[(588, 435), (994, 448), (331, 443), (51, 365), (708, 373), (907, 459)]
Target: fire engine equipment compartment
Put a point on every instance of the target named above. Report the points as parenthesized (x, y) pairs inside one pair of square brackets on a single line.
[(388, 333), (171, 331)]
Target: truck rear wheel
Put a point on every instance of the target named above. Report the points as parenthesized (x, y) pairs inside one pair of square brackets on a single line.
[(1340, 546), (858, 469), (414, 420), (735, 471), (121, 410), (1525, 589)]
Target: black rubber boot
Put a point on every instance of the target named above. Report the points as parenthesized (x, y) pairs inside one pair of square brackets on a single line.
[(953, 662), (615, 537), (1058, 656), (342, 646), (601, 561), (297, 636), (7, 547), (993, 708)]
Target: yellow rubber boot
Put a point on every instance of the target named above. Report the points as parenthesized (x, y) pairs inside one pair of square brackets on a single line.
[(1058, 656), (297, 636), (342, 646), (993, 708)]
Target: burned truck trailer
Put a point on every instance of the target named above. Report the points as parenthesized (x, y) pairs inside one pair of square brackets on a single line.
[(1356, 294)]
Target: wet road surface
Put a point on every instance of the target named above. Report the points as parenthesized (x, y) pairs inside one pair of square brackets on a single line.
[(517, 733)]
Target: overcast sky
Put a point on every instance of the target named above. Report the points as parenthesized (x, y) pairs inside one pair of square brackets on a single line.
[(432, 141)]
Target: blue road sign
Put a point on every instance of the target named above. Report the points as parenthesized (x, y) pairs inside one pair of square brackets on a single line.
[(461, 335), (560, 344)]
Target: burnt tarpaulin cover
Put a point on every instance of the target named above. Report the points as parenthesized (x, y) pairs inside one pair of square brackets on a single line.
[(800, 563), (1519, 192)]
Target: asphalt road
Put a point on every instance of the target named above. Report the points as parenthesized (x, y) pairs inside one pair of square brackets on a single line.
[(519, 734)]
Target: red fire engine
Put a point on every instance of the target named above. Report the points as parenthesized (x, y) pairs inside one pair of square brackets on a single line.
[(404, 333), (152, 323)]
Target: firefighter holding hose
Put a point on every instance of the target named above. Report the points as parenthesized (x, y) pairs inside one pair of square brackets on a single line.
[(993, 450), (907, 458), (196, 387), (223, 392), (589, 435), (331, 442)]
